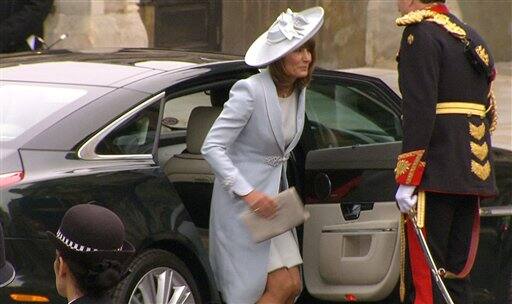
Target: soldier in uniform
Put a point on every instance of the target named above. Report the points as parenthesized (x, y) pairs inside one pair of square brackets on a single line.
[(445, 75)]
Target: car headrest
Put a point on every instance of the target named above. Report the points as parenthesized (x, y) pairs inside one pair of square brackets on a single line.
[(199, 123)]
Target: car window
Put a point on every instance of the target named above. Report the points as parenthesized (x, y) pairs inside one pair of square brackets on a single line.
[(177, 110), (135, 136), (175, 122), (345, 114), (23, 106)]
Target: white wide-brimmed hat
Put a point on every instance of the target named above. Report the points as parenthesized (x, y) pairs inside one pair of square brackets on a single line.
[(287, 33)]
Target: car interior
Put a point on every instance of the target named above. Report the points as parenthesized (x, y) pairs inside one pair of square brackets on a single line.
[(363, 246), (188, 171)]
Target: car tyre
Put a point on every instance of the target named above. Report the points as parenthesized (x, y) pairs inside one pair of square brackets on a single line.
[(157, 276)]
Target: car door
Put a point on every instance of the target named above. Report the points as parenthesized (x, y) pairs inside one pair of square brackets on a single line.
[(351, 244)]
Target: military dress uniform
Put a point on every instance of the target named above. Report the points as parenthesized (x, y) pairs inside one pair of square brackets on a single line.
[(445, 75)]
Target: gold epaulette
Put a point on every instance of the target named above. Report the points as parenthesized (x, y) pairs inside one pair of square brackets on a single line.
[(428, 15)]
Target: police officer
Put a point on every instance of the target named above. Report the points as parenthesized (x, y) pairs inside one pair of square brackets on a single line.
[(90, 251), (445, 74)]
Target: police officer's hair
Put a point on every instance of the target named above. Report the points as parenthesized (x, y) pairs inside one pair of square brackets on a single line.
[(95, 280)]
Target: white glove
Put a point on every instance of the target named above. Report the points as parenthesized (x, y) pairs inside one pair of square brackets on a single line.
[(405, 198)]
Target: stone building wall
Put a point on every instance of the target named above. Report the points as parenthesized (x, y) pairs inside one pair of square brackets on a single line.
[(96, 24), (361, 32), (355, 33), (493, 20), (340, 42)]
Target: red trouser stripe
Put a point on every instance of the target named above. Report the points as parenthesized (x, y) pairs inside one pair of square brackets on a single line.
[(419, 268), (475, 237)]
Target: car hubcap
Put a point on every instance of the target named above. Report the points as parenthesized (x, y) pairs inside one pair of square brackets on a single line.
[(162, 285)]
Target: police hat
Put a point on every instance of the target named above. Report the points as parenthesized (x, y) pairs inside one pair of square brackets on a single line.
[(91, 234)]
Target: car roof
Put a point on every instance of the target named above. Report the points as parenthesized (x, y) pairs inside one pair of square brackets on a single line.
[(113, 68), (388, 76), (71, 72), (125, 56)]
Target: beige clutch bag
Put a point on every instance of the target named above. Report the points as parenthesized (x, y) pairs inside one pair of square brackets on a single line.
[(290, 214)]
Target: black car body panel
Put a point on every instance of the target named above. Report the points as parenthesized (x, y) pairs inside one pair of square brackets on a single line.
[(192, 76), (136, 191), (85, 120)]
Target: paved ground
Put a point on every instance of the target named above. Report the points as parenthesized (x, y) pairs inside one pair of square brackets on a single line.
[(502, 137)]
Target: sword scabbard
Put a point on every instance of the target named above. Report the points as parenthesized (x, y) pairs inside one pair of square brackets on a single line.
[(420, 216)]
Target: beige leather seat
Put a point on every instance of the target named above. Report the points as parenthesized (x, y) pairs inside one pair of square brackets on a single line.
[(190, 174)]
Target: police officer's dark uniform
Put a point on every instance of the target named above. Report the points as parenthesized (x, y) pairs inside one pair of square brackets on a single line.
[(445, 74)]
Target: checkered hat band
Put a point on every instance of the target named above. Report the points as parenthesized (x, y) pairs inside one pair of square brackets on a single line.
[(75, 246)]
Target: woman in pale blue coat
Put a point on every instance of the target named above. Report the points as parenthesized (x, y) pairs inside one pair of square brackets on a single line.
[(247, 148)]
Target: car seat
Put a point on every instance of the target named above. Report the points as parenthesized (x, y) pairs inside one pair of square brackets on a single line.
[(189, 172)]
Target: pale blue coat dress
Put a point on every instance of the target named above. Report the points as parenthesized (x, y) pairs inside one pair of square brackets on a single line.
[(246, 150)]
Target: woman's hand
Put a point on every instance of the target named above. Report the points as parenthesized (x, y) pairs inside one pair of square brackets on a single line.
[(261, 204)]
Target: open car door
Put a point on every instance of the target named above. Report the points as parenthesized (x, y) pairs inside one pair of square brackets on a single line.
[(351, 243)]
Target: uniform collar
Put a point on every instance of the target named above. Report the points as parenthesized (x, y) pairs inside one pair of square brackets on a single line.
[(439, 8)]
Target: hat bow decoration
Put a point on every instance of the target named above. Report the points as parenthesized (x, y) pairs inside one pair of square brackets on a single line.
[(289, 25), (287, 33)]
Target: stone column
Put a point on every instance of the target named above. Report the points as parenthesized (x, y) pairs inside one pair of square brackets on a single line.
[(96, 24), (383, 36), (340, 42), (493, 20)]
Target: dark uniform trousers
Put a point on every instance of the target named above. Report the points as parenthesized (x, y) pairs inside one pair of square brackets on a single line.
[(445, 74), (452, 238)]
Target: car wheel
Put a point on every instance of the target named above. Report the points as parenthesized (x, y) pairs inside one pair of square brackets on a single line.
[(158, 276)]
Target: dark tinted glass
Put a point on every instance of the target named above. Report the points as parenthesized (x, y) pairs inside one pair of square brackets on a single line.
[(135, 136), (345, 114)]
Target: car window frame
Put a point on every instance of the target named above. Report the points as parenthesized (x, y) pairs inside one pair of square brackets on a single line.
[(193, 88), (87, 151), (336, 78)]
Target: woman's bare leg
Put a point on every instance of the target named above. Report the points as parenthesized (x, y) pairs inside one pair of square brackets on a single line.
[(297, 283), (279, 287)]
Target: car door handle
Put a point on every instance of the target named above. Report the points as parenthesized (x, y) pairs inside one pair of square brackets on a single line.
[(352, 211)]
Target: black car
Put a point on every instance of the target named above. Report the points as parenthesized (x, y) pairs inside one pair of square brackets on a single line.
[(123, 129)]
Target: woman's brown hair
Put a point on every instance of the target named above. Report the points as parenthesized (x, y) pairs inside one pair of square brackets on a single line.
[(278, 71)]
